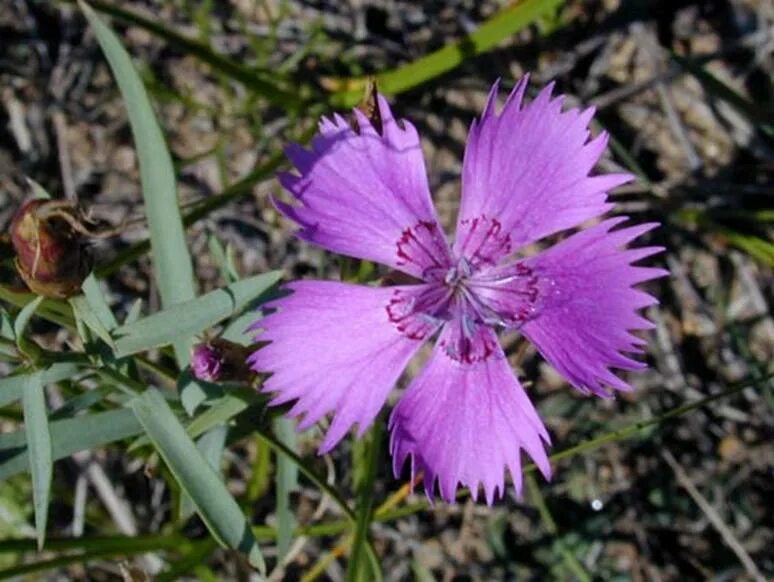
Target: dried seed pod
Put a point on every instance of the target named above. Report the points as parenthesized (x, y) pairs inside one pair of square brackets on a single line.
[(219, 360), (51, 254), (369, 105)]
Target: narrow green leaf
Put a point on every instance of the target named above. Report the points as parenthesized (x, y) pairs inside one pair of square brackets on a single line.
[(507, 22), (364, 511), (218, 509), (39, 451), (210, 445), (223, 258), (287, 481), (221, 411), (759, 248), (191, 317), (81, 402), (68, 436), (135, 311), (258, 480), (98, 304), (27, 346), (38, 191), (6, 327), (12, 387), (23, 319), (83, 311), (172, 263), (53, 310)]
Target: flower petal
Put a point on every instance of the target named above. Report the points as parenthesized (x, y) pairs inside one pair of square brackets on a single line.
[(366, 195), (528, 169), (334, 348), (586, 304), (465, 423)]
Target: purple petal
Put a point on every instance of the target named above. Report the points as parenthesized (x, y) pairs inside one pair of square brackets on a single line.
[(466, 423), (587, 305), (334, 348), (366, 195), (528, 169)]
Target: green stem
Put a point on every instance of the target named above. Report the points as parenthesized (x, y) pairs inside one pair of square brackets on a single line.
[(365, 503)]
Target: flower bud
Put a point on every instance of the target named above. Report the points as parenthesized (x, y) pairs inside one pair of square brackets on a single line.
[(219, 360), (51, 256)]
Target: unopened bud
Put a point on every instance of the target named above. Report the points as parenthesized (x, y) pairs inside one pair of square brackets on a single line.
[(51, 255), (219, 360)]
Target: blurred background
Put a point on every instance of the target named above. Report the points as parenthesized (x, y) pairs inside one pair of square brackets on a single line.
[(685, 90)]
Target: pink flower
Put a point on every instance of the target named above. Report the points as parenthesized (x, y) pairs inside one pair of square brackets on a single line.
[(340, 348)]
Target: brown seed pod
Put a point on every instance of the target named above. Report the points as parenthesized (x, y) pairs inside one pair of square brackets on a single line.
[(369, 105), (51, 254)]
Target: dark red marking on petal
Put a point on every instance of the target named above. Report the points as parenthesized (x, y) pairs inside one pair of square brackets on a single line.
[(414, 312), (484, 243), (468, 342), (424, 245)]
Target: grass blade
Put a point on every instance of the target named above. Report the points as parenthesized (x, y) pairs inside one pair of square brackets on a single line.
[(98, 304), (39, 451), (83, 311), (172, 263), (217, 508), (211, 445), (23, 319), (368, 462), (287, 481)]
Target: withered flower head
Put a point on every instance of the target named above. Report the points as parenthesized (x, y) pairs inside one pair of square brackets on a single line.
[(51, 254)]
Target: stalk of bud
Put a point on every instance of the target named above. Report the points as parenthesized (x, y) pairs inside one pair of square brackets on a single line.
[(51, 255), (219, 360)]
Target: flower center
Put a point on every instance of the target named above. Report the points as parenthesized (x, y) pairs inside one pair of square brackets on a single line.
[(467, 295)]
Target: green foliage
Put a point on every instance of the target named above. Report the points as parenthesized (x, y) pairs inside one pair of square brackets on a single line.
[(196, 476), (191, 317), (172, 262), (38, 449)]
